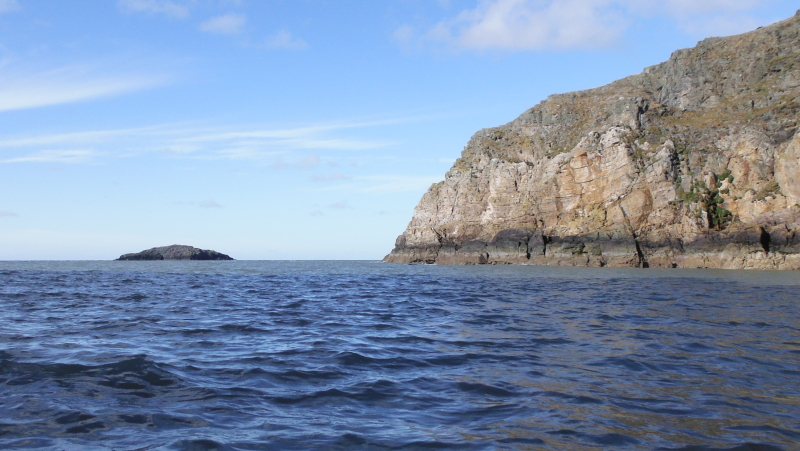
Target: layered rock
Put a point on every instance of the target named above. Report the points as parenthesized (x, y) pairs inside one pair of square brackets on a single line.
[(176, 252), (695, 162)]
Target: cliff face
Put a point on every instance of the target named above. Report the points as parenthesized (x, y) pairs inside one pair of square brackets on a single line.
[(692, 163)]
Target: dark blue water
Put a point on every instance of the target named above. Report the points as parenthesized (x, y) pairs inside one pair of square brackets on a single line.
[(363, 355)]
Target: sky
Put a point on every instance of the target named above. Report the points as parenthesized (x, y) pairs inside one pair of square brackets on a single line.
[(286, 129)]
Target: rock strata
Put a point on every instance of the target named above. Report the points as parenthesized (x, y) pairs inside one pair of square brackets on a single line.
[(176, 252), (693, 163)]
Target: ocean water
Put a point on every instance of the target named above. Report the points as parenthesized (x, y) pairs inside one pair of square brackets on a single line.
[(363, 355)]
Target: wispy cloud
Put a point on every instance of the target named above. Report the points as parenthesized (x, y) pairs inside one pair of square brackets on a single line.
[(284, 40), (165, 7), (204, 204), (341, 205), (209, 204), (198, 141), (7, 214), (226, 24), (31, 89), (53, 156), (87, 137), (7, 6), (259, 143), (309, 162), (517, 25)]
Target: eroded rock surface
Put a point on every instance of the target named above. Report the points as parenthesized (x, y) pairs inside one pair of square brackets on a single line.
[(695, 162), (176, 252)]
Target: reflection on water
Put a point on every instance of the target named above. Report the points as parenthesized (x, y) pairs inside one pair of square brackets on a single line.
[(363, 355)]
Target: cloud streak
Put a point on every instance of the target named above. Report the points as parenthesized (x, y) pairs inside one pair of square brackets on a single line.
[(205, 204), (195, 141), (64, 85), (164, 7), (54, 156)]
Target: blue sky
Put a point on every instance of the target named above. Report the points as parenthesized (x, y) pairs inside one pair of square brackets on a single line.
[(285, 129)]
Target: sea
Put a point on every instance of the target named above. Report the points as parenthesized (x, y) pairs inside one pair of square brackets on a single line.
[(363, 355)]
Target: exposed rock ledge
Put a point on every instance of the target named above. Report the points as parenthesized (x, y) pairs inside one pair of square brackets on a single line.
[(692, 163), (176, 252)]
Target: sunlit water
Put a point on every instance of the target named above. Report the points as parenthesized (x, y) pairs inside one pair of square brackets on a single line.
[(365, 355)]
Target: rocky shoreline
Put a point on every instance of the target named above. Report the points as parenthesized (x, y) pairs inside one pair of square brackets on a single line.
[(694, 163)]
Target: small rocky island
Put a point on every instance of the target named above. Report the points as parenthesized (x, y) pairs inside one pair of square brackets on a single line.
[(176, 252)]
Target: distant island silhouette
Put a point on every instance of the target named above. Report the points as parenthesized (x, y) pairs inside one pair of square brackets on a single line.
[(176, 252)]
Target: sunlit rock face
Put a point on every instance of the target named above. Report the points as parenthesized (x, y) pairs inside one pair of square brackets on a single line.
[(693, 163)]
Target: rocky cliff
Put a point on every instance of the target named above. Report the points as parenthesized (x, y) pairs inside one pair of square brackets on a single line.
[(692, 163), (176, 252)]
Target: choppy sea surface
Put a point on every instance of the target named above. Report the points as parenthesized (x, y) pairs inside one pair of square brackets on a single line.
[(250, 355)]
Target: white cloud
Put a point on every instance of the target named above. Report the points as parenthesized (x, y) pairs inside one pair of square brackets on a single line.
[(67, 85), (517, 25), (7, 6), (165, 7), (284, 40), (54, 156), (7, 214), (227, 24), (528, 25)]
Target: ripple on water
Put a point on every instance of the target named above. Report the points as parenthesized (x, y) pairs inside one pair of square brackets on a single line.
[(359, 355)]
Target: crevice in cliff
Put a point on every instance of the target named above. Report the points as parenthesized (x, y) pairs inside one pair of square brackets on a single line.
[(438, 249), (545, 241), (765, 239), (642, 260)]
